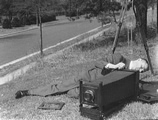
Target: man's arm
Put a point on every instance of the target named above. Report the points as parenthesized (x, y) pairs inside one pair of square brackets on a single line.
[(115, 61), (120, 65)]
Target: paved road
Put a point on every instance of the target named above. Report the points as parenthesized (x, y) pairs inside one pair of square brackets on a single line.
[(22, 44)]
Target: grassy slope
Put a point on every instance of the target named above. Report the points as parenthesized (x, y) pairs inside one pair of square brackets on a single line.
[(61, 67)]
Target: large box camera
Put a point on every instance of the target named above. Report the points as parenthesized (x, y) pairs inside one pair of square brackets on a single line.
[(98, 98)]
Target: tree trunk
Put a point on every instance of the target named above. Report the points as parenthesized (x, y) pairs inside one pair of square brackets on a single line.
[(141, 7), (70, 10), (157, 16), (141, 11), (37, 16)]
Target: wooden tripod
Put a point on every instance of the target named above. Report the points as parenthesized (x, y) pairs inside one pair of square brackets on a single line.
[(143, 38)]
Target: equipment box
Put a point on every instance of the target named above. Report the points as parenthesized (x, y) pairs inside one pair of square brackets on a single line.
[(98, 98)]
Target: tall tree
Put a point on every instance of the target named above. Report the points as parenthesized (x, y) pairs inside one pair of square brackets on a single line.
[(157, 16), (140, 10)]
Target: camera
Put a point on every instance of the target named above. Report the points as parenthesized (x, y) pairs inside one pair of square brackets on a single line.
[(100, 97)]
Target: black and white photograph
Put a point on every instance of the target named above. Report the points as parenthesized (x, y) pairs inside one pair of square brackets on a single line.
[(78, 59)]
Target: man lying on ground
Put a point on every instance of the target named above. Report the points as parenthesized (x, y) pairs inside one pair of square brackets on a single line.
[(114, 61)]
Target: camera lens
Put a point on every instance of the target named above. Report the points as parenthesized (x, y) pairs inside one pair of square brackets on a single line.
[(89, 96)]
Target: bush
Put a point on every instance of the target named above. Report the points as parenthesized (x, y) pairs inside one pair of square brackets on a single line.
[(72, 14), (16, 22), (48, 18), (103, 18), (6, 23), (23, 20), (31, 20), (28, 20)]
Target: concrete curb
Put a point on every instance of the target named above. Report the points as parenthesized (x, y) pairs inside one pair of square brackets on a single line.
[(23, 70), (16, 73)]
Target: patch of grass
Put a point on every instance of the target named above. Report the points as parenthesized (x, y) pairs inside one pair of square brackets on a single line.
[(94, 44)]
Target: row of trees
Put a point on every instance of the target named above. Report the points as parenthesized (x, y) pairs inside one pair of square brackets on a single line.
[(27, 10)]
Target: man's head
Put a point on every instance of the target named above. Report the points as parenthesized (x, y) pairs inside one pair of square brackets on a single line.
[(140, 64)]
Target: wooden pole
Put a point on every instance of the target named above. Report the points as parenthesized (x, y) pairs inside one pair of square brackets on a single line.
[(70, 10), (142, 32), (37, 15), (41, 36), (119, 28), (143, 36), (157, 16)]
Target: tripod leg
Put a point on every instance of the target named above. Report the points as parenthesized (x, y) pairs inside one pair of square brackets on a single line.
[(119, 29), (143, 38), (147, 51)]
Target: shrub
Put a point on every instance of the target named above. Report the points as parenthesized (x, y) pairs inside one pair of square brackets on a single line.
[(32, 19), (28, 20), (23, 20), (72, 14), (48, 18), (6, 23), (103, 18), (45, 18), (16, 22)]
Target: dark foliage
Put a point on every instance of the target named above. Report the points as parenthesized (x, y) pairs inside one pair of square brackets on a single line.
[(48, 18), (16, 22), (72, 14), (6, 24), (31, 20)]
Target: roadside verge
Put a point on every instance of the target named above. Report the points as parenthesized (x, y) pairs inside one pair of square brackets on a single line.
[(21, 71)]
